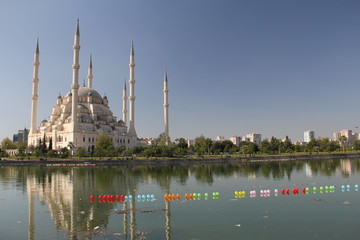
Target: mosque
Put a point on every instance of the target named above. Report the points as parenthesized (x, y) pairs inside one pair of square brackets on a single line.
[(82, 114)]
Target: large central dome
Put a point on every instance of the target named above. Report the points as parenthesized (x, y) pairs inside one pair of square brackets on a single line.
[(86, 91)]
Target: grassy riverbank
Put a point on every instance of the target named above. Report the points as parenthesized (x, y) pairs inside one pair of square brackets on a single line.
[(188, 159)]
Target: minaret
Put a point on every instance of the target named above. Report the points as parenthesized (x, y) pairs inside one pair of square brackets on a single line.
[(90, 76), (75, 84), (132, 131), (35, 89), (124, 110), (166, 109)]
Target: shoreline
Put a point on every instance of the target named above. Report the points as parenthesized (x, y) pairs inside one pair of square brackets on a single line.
[(160, 161)]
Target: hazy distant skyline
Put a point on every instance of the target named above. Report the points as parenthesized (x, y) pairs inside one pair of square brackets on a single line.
[(234, 67)]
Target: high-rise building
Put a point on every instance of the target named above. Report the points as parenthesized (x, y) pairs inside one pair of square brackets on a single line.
[(253, 137), (21, 136), (236, 140), (309, 135)]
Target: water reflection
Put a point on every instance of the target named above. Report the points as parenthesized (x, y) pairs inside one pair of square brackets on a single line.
[(66, 190)]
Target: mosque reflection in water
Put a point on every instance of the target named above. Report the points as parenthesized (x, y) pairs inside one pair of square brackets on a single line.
[(66, 190)]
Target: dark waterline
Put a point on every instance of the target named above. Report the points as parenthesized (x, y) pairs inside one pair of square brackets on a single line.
[(40, 202)]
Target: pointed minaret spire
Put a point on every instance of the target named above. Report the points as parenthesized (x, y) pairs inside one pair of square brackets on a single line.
[(124, 109), (35, 97), (166, 109), (90, 76), (132, 131), (37, 46), (132, 49), (77, 28), (75, 81)]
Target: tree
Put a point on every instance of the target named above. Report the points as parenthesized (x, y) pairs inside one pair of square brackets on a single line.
[(288, 146), (274, 145), (50, 144), (162, 139), (8, 144), (248, 148), (200, 145), (81, 152), (51, 153), (104, 146), (265, 146), (181, 143), (120, 150), (343, 139), (152, 151), (208, 143), (64, 152), (21, 148), (356, 145), (312, 145)]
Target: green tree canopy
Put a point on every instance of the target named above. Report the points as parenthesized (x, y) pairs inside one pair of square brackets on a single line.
[(104, 146), (6, 143)]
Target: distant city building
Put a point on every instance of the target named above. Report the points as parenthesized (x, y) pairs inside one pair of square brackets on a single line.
[(235, 140), (336, 136), (253, 137), (309, 135), (350, 136), (190, 142), (21, 136), (300, 143), (219, 139), (145, 142)]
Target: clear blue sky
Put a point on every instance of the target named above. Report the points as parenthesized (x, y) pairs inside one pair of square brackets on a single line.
[(234, 67)]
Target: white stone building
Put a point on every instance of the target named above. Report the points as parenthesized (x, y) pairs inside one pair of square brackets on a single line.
[(309, 135), (236, 140), (82, 114), (253, 137)]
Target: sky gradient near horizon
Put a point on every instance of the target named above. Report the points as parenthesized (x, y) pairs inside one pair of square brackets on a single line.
[(276, 67)]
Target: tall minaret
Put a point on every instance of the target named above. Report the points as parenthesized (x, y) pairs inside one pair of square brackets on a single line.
[(75, 84), (124, 110), (166, 109), (90, 76), (132, 131), (35, 89)]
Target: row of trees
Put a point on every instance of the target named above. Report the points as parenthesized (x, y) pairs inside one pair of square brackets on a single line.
[(203, 146)]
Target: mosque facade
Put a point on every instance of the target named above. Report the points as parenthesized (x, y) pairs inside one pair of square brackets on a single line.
[(82, 114)]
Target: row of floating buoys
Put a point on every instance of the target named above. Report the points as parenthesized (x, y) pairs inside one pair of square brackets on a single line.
[(171, 197), (216, 195), (265, 193), (197, 196), (240, 194), (120, 198)]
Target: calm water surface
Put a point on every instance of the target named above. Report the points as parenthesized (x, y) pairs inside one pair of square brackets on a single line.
[(54, 202)]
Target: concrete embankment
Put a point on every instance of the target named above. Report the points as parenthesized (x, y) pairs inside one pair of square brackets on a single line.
[(181, 161)]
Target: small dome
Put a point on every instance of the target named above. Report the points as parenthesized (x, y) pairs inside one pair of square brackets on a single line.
[(44, 121)]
